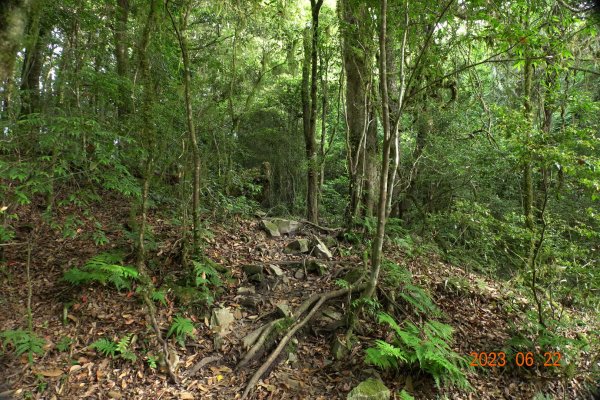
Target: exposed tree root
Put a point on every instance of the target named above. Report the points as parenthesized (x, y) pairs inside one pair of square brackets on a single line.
[(325, 229), (311, 305)]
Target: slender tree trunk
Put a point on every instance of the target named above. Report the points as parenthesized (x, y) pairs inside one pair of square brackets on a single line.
[(187, 83), (390, 138), (121, 56), (147, 134), (385, 164), (32, 63), (309, 107), (360, 132)]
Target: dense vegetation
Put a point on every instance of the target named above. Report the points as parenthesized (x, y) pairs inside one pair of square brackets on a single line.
[(463, 132)]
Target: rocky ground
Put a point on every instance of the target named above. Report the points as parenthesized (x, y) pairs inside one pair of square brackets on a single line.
[(269, 278)]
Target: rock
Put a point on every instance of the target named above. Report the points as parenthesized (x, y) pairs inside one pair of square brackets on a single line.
[(339, 350), (246, 290), (299, 274), (321, 251), (370, 389), (316, 266), (330, 241), (283, 309), (297, 246), (276, 270), (256, 278), (254, 273), (250, 300), (354, 275), (271, 228), (221, 319), (252, 269), (292, 358), (286, 226)]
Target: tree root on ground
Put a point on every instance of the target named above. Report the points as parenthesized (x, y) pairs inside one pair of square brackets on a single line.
[(311, 305)]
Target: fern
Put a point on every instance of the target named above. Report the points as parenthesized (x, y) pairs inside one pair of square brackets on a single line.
[(405, 396), (181, 328), (426, 348), (120, 348), (419, 299), (23, 342), (104, 268), (205, 273), (105, 347)]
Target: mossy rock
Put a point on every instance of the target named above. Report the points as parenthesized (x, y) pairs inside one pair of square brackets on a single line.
[(370, 389)]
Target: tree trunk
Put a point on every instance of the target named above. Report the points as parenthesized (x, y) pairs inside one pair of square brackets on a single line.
[(187, 82), (361, 129), (121, 56), (32, 63), (309, 107), (385, 164)]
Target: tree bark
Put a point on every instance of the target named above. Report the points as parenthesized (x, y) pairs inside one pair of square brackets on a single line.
[(360, 119), (187, 83), (13, 18), (32, 63), (309, 107), (121, 56)]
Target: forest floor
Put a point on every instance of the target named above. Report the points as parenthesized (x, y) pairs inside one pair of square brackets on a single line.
[(476, 308)]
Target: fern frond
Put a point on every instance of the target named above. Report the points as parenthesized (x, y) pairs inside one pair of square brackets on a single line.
[(105, 347)]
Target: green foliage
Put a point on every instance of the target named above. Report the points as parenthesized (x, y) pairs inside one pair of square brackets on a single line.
[(64, 344), (419, 299), (104, 268), (426, 348), (105, 346), (405, 396), (181, 328), (152, 361), (119, 348), (23, 342)]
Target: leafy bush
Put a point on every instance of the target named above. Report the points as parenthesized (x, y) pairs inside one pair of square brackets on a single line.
[(104, 268), (426, 348)]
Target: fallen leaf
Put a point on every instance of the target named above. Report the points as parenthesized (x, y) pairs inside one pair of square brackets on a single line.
[(186, 396), (50, 373)]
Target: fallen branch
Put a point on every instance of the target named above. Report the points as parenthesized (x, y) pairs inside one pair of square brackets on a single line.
[(316, 301)]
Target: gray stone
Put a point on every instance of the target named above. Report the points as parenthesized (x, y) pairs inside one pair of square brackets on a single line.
[(299, 274), (297, 246), (271, 228), (246, 290), (286, 226), (330, 241), (370, 389), (339, 350), (252, 269), (221, 319), (250, 300), (276, 270), (321, 251), (316, 266), (284, 310)]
